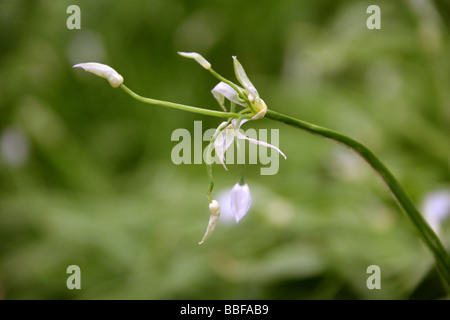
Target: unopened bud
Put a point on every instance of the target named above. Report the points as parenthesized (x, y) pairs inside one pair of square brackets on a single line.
[(102, 70), (197, 57)]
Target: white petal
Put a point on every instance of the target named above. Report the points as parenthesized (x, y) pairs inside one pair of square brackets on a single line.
[(222, 143), (239, 135), (223, 90), (243, 79), (218, 146), (197, 57), (240, 201), (102, 70), (219, 97)]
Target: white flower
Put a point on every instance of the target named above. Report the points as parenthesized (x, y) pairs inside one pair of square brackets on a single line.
[(226, 138), (240, 201), (197, 57), (223, 90), (214, 208), (102, 70)]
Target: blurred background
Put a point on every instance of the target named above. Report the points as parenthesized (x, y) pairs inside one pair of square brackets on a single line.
[(86, 176)]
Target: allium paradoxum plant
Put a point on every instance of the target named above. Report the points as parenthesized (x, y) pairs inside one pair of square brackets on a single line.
[(254, 108)]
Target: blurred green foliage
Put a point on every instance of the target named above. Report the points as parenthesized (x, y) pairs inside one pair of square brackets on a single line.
[(86, 176)]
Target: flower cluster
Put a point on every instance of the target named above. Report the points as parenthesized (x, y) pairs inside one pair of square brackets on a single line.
[(244, 95), (255, 108)]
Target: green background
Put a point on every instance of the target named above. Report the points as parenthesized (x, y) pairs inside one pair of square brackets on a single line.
[(93, 184)]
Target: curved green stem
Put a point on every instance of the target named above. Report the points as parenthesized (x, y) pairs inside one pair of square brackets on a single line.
[(183, 107), (427, 234)]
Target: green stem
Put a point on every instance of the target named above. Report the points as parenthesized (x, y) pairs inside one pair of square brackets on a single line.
[(183, 107), (427, 234)]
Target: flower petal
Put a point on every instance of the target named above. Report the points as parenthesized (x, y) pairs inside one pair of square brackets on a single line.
[(240, 135), (197, 57), (240, 200), (223, 142), (102, 70), (223, 90), (244, 80)]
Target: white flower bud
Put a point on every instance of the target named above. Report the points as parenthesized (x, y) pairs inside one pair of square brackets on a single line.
[(240, 200), (197, 57), (102, 70)]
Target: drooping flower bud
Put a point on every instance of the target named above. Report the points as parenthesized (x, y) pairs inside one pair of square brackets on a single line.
[(214, 208), (104, 71), (240, 200)]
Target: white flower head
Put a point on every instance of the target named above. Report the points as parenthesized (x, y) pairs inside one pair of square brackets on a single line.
[(234, 93), (197, 57), (214, 208), (240, 200), (102, 70)]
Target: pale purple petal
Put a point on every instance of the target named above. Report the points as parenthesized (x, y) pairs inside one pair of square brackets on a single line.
[(436, 208), (240, 200)]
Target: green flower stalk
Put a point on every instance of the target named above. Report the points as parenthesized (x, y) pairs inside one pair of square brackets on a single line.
[(254, 108)]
